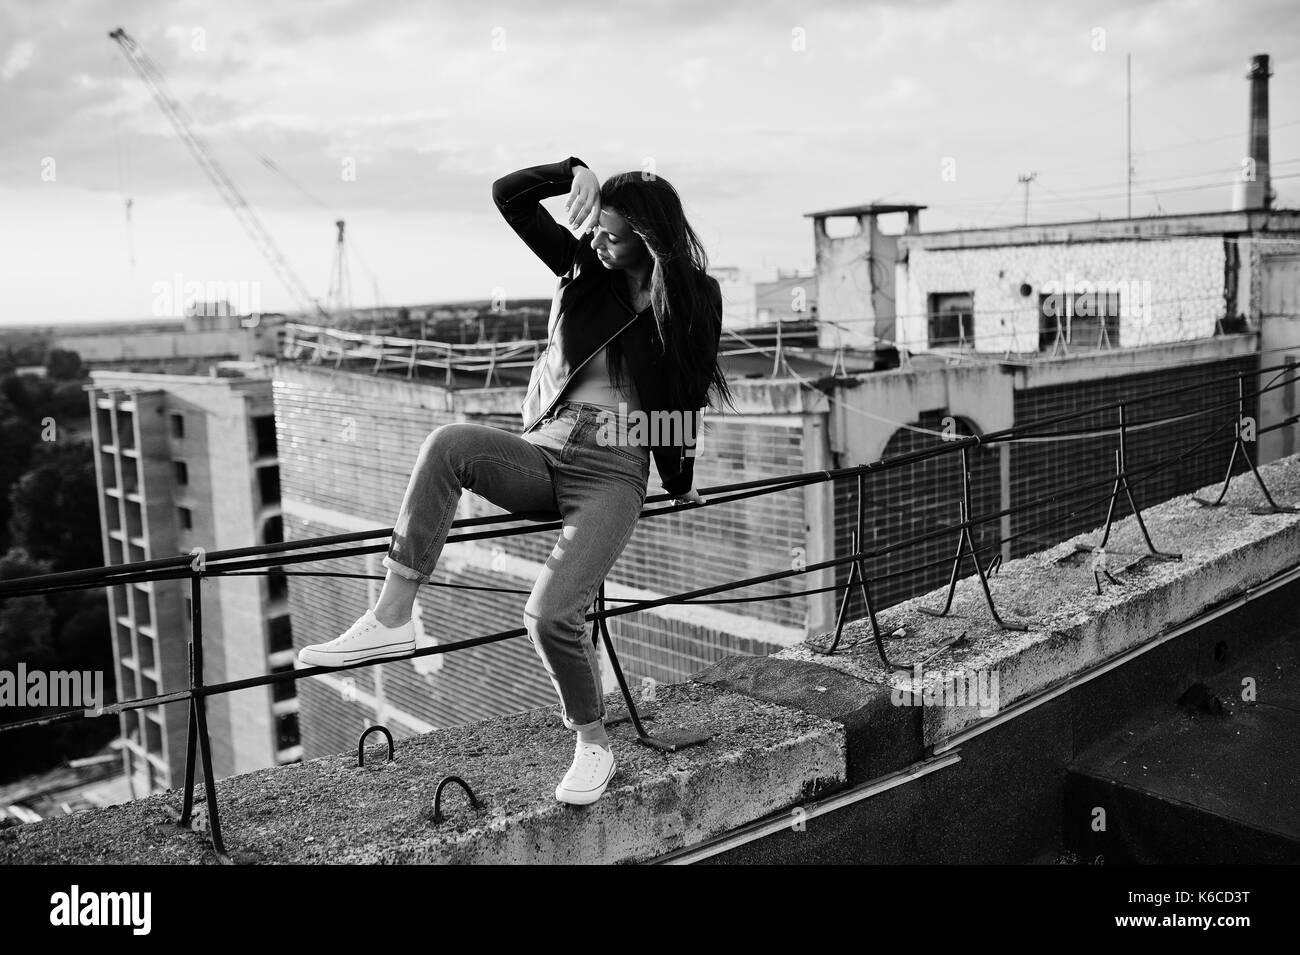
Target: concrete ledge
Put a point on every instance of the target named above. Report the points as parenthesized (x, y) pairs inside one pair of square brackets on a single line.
[(1224, 551), (764, 758), (880, 736)]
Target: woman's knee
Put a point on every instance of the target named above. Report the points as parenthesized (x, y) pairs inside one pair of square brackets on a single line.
[(543, 619), (445, 435), (448, 440)]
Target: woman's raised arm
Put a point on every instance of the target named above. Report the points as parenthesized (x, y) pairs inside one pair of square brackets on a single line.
[(518, 197)]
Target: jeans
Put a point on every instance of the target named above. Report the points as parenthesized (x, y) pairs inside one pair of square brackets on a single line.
[(559, 467)]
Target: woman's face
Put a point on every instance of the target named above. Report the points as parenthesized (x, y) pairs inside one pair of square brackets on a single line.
[(616, 244)]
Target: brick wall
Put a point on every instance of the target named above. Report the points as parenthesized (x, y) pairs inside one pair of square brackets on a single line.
[(1041, 467), (905, 503)]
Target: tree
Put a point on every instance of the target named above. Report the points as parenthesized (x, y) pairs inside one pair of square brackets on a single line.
[(54, 506), (63, 365), (17, 436), (25, 622), (66, 630)]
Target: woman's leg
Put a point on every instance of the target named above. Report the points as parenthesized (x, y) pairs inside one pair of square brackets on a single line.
[(599, 514), (600, 493), (501, 467), (497, 465)]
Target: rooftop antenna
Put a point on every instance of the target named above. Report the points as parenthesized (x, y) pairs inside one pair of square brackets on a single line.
[(1026, 180), (1128, 130), (338, 300)]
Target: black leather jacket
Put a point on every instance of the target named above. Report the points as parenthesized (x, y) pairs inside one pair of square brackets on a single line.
[(590, 309)]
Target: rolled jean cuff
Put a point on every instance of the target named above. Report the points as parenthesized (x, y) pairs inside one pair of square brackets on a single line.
[(403, 571), (583, 727)]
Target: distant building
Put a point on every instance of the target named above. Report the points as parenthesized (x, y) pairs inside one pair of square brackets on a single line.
[(762, 296), (1064, 287), (184, 462), (855, 274), (177, 346), (791, 296)]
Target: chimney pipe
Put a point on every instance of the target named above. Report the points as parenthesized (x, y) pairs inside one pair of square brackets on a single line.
[(1252, 189)]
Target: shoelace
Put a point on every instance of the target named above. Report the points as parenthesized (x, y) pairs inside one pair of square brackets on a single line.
[(592, 764), (361, 630)]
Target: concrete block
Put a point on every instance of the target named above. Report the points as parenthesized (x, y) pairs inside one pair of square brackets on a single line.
[(763, 758), (880, 736), (1071, 628)]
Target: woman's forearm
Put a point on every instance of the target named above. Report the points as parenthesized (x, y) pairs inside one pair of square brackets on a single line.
[(518, 197)]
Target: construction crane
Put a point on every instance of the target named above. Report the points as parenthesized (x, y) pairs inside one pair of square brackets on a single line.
[(174, 111)]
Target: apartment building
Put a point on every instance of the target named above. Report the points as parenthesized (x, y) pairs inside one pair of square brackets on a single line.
[(185, 462)]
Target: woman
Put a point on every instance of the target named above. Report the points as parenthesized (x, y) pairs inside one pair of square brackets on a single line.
[(632, 341)]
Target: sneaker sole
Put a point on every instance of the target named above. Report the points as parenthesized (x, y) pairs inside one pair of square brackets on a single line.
[(318, 658)]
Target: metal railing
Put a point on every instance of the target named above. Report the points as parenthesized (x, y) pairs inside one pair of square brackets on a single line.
[(319, 344), (201, 565)]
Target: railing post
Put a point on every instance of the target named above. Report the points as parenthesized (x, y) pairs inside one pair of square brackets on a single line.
[(668, 740), (1239, 444), (966, 547), (1121, 481), (197, 736), (856, 571)]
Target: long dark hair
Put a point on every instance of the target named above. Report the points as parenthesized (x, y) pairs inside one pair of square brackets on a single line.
[(686, 300)]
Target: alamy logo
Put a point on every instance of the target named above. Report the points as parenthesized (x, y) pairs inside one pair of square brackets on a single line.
[(179, 298), (54, 688), (1084, 298), (639, 428), (975, 688), (103, 908)]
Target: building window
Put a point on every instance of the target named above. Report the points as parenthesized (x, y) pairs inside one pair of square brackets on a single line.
[(264, 433), (952, 319), (277, 584), (181, 471), (283, 689), (268, 482), (286, 731), (1081, 319), (186, 518), (281, 634), (178, 425), (273, 530)]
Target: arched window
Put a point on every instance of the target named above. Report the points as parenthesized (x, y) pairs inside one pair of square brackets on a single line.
[(904, 503)]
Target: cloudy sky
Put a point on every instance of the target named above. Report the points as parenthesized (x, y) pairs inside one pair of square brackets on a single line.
[(756, 112)]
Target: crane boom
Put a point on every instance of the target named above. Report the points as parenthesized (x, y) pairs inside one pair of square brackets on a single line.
[(230, 194)]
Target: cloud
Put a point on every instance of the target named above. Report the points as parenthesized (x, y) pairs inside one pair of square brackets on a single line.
[(17, 59), (754, 132)]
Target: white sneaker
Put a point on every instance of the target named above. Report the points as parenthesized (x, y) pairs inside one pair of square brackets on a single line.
[(365, 640), (592, 769)]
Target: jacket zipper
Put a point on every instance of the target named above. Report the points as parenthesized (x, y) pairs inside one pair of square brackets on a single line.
[(569, 376)]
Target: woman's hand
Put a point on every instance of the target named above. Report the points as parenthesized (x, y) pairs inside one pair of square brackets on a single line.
[(690, 497), (583, 204)]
